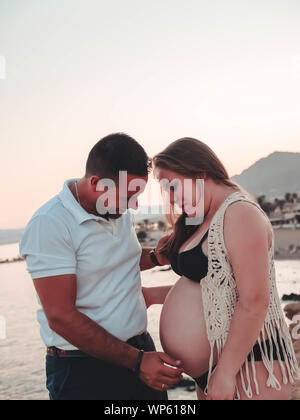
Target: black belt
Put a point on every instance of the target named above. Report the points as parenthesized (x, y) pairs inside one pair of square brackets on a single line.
[(137, 341)]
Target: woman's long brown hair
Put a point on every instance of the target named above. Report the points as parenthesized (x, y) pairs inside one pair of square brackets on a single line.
[(192, 158)]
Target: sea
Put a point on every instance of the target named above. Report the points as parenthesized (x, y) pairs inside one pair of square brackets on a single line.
[(22, 353)]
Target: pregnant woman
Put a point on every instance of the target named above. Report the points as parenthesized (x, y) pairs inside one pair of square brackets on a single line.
[(223, 317)]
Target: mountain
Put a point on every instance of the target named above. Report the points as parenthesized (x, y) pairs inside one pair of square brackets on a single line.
[(272, 176)]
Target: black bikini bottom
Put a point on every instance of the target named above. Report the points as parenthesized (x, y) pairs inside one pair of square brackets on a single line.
[(201, 381)]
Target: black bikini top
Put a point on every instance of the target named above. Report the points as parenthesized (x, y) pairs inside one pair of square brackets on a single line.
[(192, 263)]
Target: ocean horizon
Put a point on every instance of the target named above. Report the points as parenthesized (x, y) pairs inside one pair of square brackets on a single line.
[(14, 235), (10, 236)]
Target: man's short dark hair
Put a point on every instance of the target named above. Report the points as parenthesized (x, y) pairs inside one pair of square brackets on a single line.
[(117, 152)]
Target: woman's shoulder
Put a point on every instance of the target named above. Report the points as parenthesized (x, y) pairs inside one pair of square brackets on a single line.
[(244, 207), (245, 219)]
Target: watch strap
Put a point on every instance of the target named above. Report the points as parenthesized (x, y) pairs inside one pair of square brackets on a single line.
[(154, 257)]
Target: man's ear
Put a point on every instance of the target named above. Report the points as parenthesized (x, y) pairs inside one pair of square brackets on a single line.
[(93, 181)]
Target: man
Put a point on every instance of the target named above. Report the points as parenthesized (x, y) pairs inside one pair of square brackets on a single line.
[(86, 271)]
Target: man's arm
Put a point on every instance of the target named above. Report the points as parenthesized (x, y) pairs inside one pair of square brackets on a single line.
[(58, 298), (156, 295)]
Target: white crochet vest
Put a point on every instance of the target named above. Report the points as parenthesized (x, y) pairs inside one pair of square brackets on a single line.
[(219, 294)]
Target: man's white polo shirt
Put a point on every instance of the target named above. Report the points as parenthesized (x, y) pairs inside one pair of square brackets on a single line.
[(62, 238)]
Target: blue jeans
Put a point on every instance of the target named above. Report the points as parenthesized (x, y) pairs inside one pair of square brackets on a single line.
[(87, 378)]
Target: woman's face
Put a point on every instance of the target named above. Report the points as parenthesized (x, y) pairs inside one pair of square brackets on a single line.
[(185, 193)]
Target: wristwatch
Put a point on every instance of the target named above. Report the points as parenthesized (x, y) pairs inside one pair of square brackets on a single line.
[(154, 257)]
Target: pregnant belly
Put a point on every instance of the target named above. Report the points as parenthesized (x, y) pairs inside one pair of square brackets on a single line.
[(183, 329)]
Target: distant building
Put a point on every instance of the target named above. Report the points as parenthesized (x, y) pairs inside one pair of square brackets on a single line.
[(288, 217)]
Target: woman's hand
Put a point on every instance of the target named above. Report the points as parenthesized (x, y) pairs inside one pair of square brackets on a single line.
[(221, 386)]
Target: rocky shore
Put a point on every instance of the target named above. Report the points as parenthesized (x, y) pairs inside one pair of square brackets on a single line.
[(292, 310), (296, 387), (11, 260)]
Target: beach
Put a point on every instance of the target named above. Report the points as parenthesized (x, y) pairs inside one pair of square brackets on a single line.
[(287, 243), (22, 359)]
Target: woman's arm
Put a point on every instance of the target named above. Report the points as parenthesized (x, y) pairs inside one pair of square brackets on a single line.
[(247, 236), (155, 295)]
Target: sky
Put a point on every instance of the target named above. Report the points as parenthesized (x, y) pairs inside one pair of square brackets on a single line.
[(73, 71)]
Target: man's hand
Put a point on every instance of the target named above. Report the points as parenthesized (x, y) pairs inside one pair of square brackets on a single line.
[(58, 297), (156, 374), (162, 259)]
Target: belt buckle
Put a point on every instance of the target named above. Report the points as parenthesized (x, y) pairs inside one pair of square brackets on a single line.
[(50, 351), (55, 352), (61, 353)]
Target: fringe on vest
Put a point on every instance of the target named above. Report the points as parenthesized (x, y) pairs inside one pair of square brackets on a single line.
[(219, 294)]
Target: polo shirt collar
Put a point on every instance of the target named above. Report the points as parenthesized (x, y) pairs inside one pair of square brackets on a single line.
[(71, 204)]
